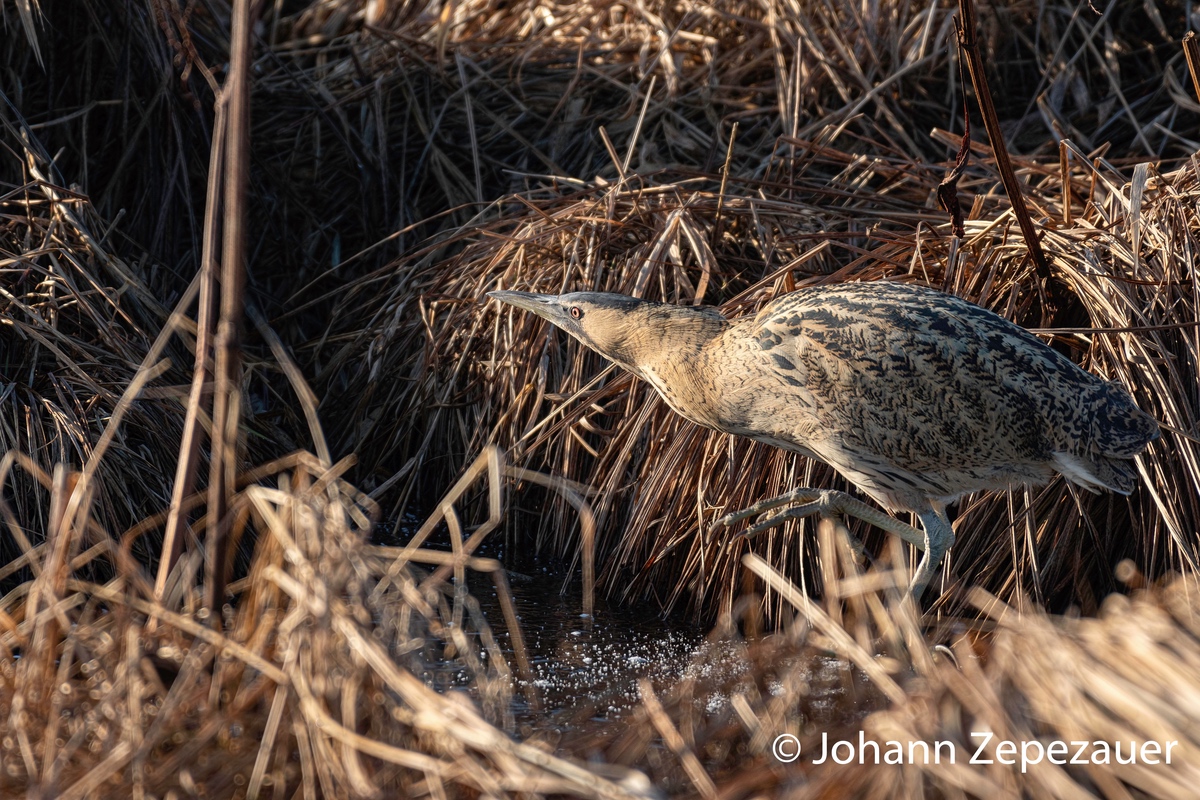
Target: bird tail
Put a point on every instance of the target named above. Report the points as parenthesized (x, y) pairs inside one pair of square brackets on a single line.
[(1119, 428), (1119, 431), (1096, 472)]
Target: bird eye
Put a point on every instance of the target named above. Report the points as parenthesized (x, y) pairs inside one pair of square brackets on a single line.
[(576, 312)]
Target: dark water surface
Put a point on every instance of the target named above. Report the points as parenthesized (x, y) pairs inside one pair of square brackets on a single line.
[(584, 668)]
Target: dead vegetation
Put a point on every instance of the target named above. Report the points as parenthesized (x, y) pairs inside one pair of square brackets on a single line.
[(309, 685), (407, 159), (827, 177), (858, 663), (1125, 309)]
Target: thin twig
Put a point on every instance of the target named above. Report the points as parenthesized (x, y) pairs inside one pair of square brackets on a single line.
[(1191, 51), (969, 46), (199, 394), (226, 400)]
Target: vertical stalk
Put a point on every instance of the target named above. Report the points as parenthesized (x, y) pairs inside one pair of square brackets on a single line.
[(969, 47), (1191, 51), (227, 344), (198, 397)]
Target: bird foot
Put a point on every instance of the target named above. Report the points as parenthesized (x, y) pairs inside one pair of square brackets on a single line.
[(806, 496), (825, 502), (815, 508), (829, 503)]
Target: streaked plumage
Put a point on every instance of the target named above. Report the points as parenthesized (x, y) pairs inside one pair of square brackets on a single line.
[(915, 396)]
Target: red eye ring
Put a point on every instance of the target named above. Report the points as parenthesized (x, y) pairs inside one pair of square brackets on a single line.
[(576, 312)]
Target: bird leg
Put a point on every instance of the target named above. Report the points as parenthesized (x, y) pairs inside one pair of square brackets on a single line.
[(939, 537), (935, 540), (823, 502), (817, 501)]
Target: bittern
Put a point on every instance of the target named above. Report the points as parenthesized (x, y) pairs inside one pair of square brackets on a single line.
[(914, 396)]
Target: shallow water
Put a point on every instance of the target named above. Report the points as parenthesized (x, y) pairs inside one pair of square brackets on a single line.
[(580, 663), (586, 671)]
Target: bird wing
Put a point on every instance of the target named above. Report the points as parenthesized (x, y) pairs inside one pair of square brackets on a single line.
[(919, 379)]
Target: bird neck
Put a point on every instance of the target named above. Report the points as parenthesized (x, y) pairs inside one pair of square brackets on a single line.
[(670, 352), (666, 335)]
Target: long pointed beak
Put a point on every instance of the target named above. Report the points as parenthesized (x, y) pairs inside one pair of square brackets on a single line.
[(544, 305)]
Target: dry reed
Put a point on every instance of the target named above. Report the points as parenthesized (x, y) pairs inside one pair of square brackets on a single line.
[(843, 194), (1125, 306), (858, 664), (407, 159), (310, 685)]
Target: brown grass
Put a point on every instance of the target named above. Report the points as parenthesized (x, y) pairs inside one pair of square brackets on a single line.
[(309, 685), (561, 406), (855, 179), (860, 662), (405, 160)]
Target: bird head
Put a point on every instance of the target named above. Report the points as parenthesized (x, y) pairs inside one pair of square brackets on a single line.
[(610, 324)]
